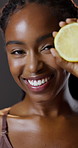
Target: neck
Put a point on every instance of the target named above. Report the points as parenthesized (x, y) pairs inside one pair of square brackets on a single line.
[(52, 107)]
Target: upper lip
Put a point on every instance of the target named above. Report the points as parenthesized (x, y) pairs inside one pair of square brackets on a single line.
[(39, 77)]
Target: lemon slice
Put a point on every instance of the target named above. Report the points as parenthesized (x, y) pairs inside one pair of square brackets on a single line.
[(66, 42)]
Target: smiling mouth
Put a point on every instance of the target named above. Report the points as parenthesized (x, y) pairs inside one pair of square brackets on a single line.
[(39, 84)]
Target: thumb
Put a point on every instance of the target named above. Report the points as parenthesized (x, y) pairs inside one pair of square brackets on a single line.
[(54, 53)]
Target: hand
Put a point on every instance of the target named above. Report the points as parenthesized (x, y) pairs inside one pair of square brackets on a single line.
[(71, 67)]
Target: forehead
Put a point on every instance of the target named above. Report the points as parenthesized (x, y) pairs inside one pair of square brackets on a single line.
[(33, 17)]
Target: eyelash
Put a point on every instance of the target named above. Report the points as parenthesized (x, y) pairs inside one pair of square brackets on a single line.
[(48, 47), (21, 52), (18, 52)]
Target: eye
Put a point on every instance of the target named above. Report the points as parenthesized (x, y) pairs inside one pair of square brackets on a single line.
[(18, 52), (47, 47)]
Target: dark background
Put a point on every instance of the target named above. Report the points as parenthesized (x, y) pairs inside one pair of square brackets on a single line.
[(10, 93)]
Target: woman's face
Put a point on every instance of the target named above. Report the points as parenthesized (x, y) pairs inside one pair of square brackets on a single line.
[(28, 43)]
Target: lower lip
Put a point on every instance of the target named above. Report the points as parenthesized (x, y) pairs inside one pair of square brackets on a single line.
[(41, 87)]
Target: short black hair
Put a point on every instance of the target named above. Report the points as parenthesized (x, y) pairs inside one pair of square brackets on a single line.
[(64, 9)]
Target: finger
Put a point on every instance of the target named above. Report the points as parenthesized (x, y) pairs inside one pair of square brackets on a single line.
[(62, 24), (59, 60), (75, 4), (71, 20), (68, 66), (54, 52), (54, 34)]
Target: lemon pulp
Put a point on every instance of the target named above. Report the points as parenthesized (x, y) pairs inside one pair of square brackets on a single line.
[(66, 42)]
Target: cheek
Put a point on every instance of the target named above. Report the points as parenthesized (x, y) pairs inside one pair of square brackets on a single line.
[(62, 74), (15, 66), (50, 61)]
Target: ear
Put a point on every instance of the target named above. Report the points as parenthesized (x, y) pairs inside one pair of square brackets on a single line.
[(75, 2)]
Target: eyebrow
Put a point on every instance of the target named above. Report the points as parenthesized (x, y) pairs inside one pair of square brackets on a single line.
[(44, 37), (22, 43), (15, 42)]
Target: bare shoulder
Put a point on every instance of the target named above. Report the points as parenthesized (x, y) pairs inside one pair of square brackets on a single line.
[(4, 111)]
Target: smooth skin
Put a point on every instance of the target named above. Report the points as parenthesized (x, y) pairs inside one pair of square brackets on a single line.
[(43, 119)]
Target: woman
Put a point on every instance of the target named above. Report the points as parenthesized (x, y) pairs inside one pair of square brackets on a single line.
[(43, 118)]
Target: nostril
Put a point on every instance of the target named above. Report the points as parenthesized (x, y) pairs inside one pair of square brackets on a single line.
[(35, 66), (34, 62)]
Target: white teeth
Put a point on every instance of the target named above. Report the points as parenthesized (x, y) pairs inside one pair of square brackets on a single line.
[(31, 82), (39, 82), (46, 79), (35, 83), (43, 81)]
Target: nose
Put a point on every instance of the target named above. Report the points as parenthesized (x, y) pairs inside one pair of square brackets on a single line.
[(34, 63)]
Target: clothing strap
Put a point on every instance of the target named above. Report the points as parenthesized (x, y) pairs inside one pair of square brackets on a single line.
[(5, 139), (4, 124)]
